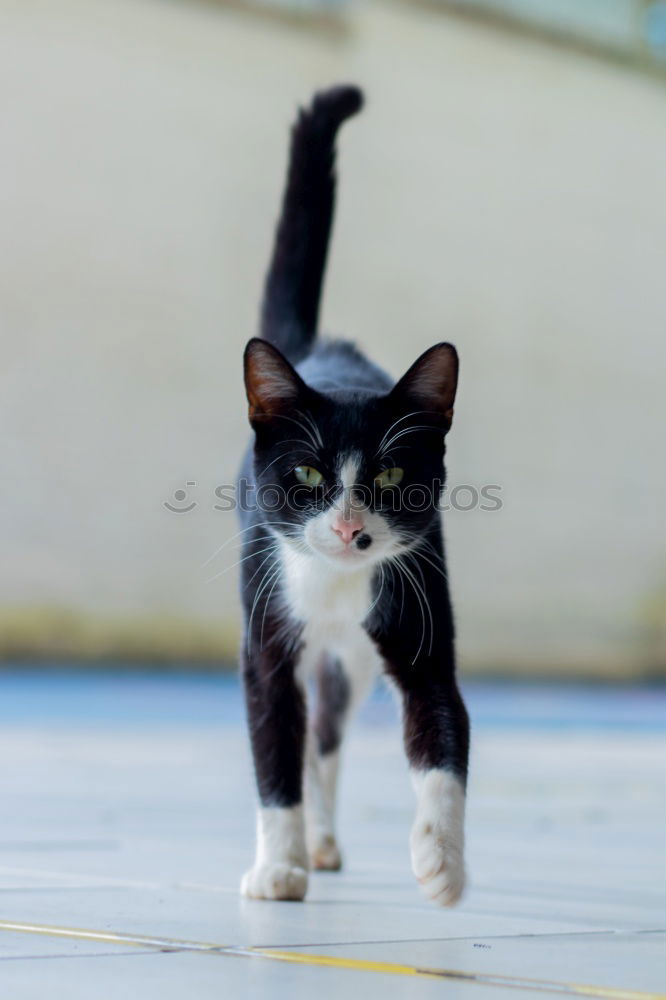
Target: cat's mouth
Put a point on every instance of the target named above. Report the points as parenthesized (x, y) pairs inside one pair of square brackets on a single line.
[(347, 556), (350, 553), (363, 551)]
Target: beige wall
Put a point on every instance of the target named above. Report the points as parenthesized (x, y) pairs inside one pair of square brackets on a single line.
[(498, 192)]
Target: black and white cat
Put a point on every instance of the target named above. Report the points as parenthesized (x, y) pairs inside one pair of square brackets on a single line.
[(343, 572)]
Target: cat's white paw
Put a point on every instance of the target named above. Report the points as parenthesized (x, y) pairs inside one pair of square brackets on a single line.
[(275, 880), (325, 854), (437, 863), (437, 838)]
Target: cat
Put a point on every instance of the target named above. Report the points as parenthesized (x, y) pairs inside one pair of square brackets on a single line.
[(343, 573)]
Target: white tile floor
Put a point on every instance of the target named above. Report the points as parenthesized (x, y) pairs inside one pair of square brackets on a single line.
[(128, 809)]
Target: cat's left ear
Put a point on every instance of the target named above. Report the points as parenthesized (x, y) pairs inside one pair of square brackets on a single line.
[(430, 384), (273, 387)]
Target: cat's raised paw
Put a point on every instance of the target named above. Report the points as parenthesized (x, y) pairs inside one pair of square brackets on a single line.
[(437, 863), (325, 854), (277, 880)]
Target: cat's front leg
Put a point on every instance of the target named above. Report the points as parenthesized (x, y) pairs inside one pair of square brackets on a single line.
[(437, 742), (437, 839), (276, 716), (436, 732), (280, 866)]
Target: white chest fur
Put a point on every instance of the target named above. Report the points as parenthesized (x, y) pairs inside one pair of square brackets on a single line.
[(330, 602)]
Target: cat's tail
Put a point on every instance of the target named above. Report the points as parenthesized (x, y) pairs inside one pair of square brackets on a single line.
[(292, 292)]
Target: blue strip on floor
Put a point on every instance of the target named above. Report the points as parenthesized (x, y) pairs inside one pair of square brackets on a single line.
[(55, 696)]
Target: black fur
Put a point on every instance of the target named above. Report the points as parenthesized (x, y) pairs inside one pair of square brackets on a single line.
[(293, 285), (276, 716), (352, 403), (332, 704)]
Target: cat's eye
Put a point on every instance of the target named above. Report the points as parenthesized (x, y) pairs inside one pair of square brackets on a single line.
[(308, 476), (389, 477)]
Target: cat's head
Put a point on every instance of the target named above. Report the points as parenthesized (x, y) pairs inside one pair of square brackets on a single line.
[(351, 477)]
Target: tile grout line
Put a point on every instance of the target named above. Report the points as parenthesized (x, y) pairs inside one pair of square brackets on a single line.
[(524, 936), (331, 961)]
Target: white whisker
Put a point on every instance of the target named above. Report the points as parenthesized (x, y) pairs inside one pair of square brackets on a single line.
[(404, 432), (267, 579), (250, 555), (423, 604), (313, 424), (315, 439), (395, 424), (283, 455), (274, 550), (402, 588), (440, 569), (379, 593), (266, 603), (251, 527)]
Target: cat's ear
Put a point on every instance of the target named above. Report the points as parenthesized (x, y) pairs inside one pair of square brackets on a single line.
[(273, 387), (430, 384)]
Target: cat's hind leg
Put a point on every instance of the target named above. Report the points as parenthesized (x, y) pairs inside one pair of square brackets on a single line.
[(343, 680), (322, 762)]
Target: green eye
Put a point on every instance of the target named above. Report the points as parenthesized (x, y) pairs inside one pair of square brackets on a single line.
[(308, 476), (389, 477)]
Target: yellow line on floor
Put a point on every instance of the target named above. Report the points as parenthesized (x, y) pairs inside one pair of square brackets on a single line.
[(481, 978), (110, 937), (332, 961)]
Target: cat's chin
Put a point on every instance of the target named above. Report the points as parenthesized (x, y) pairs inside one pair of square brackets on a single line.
[(345, 560)]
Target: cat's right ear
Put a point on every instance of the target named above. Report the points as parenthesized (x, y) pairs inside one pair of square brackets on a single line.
[(273, 387)]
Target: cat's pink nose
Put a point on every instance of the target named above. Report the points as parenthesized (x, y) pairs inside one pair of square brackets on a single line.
[(347, 527)]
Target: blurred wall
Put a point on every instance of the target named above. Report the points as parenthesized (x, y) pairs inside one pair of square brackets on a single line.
[(632, 30), (497, 192)]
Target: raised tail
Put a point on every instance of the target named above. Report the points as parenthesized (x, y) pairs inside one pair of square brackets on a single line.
[(290, 307)]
